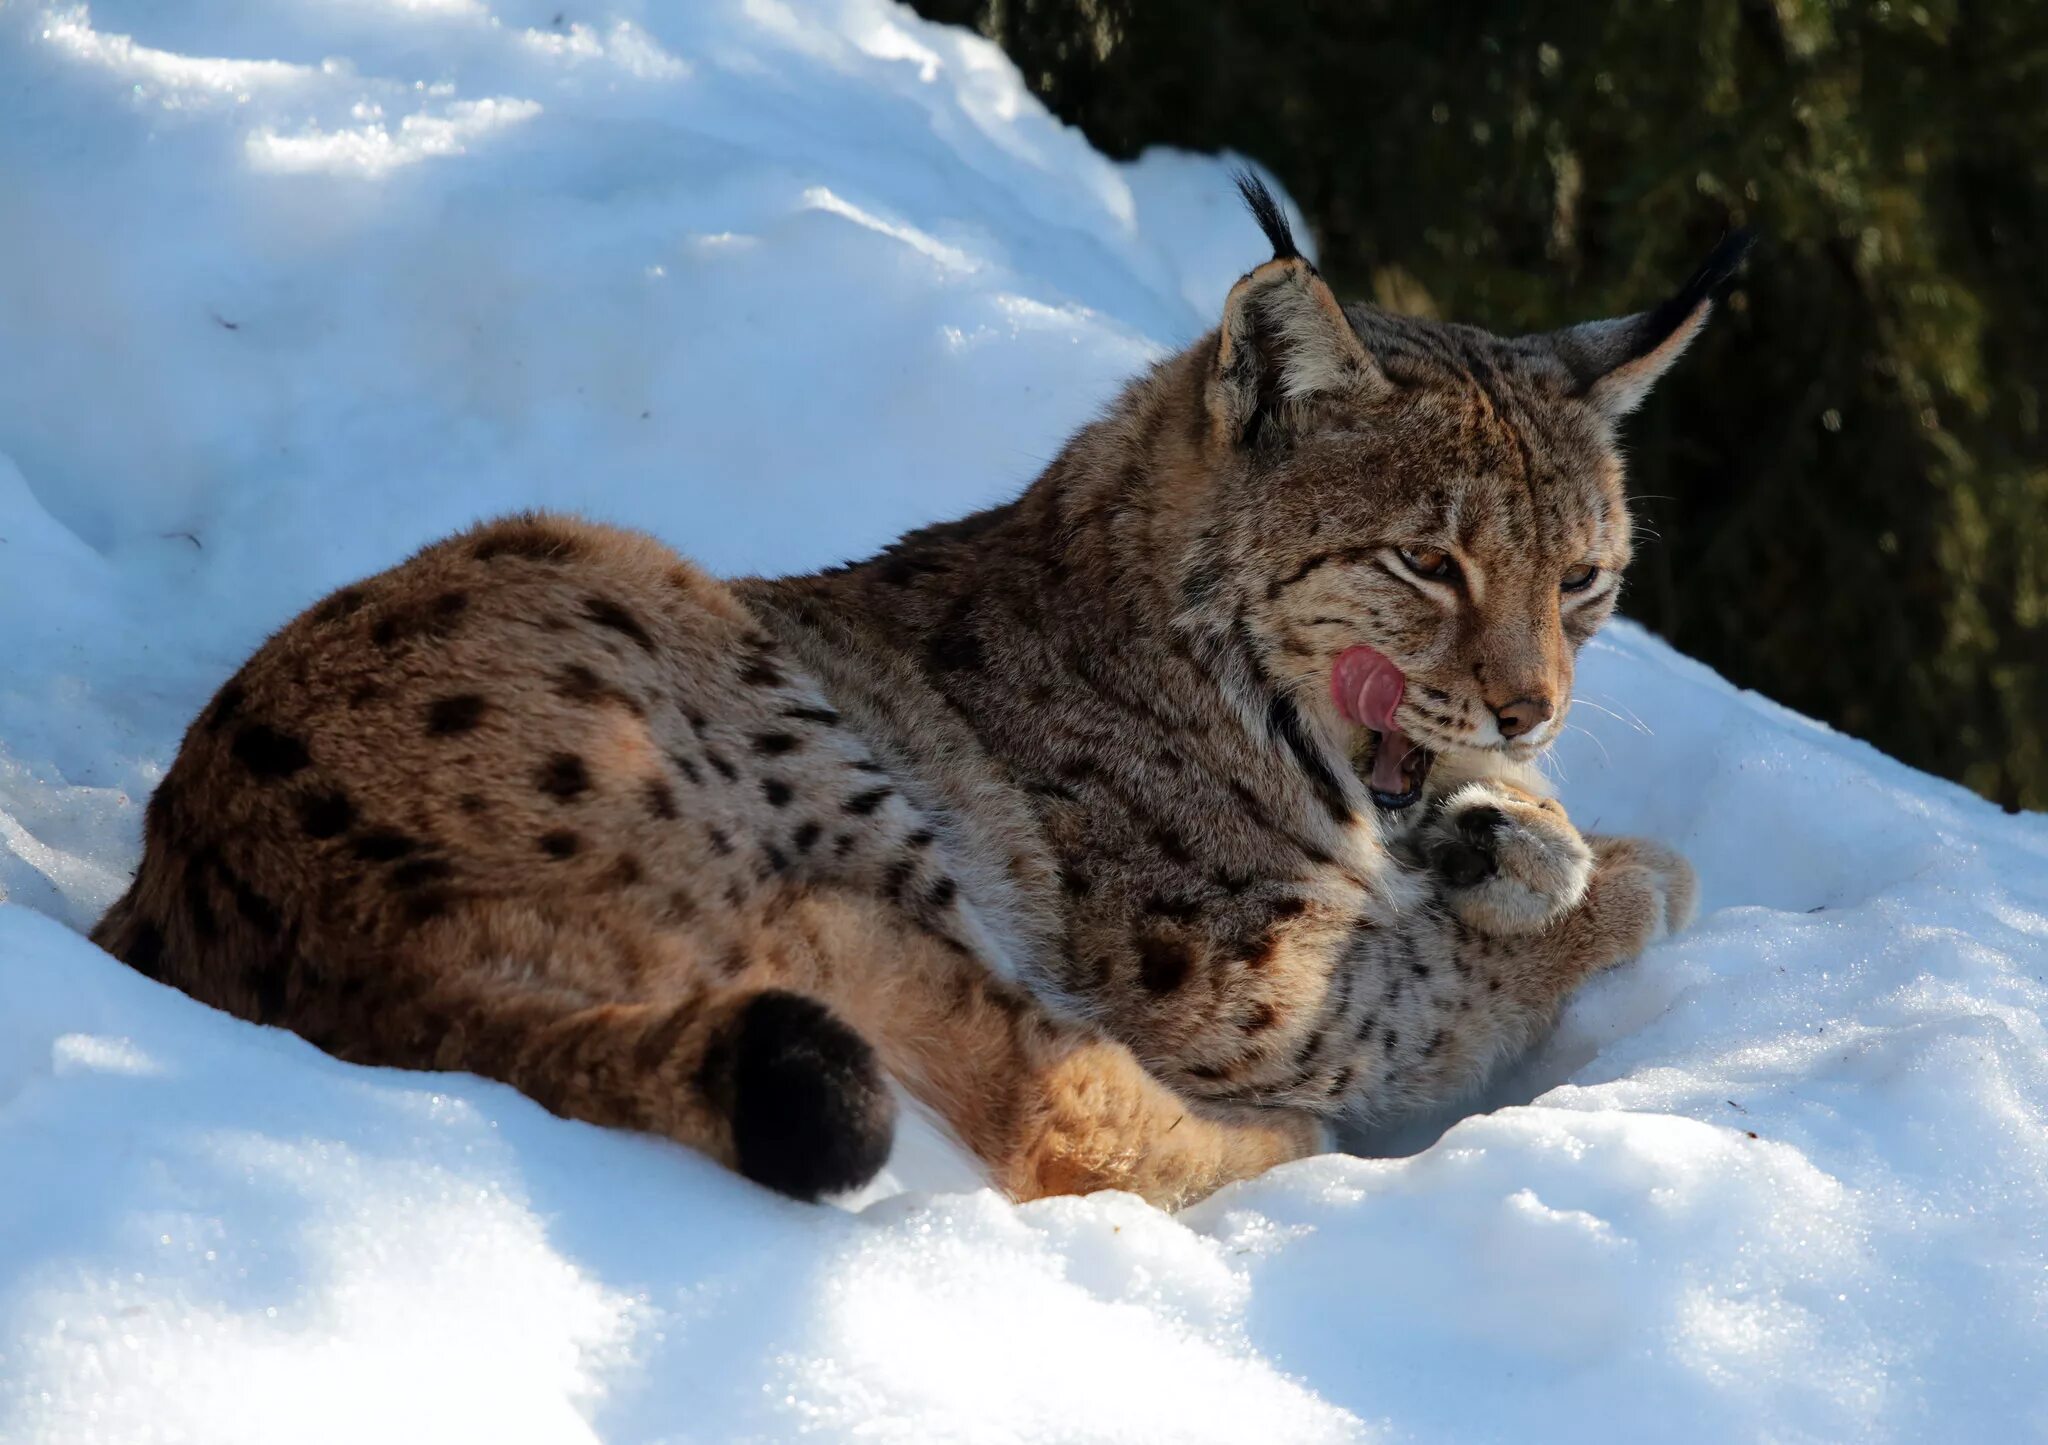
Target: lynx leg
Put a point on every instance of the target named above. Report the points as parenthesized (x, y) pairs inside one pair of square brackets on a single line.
[(1051, 1106), (763, 1079), (768, 1047), (1639, 891)]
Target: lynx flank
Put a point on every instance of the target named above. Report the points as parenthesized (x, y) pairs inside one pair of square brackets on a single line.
[(1048, 817)]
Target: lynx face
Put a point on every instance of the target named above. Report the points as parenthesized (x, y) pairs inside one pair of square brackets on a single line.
[(1472, 536), (1438, 514)]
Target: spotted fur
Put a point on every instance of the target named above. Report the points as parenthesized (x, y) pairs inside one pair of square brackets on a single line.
[(1044, 816)]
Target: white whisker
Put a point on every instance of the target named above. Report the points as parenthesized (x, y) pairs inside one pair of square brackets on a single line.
[(1629, 722), (1606, 758)]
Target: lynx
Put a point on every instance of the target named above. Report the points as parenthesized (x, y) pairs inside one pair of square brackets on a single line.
[(1137, 829)]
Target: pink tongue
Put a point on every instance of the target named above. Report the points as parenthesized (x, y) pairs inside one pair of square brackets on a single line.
[(1367, 689)]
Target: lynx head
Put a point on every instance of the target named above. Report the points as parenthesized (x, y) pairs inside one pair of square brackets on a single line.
[(1425, 521)]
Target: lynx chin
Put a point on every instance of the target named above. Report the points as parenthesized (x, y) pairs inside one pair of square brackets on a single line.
[(1138, 828)]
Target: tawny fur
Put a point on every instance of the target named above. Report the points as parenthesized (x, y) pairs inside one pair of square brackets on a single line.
[(1045, 815)]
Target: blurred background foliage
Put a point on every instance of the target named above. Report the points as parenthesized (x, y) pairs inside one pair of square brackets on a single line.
[(1844, 490)]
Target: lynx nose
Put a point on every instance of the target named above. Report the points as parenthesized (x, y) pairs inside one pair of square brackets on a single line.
[(1523, 715)]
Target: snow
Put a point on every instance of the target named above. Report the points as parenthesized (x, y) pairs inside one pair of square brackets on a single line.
[(288, 289)]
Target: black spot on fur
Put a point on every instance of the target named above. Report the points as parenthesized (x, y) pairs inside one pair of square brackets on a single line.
[(897, 874), (420, 871), (811, 1109), (260, 913), (1183, 910), (563, 777), (1163, 964), (761, 673), (922, 838), (774, 745), (381, 845), (561, 843), (578, 683), (435, 619), (823, 716), (1260, 1018), (862, 804), (1170, 842), (607, 613), (268, 753), (426, 904), (345, 603), (624, 872), (776, 792), (660, 799), (687, 768), (773, 860), (806, 837), (471, 803), (458, 714), (721, 841), (1075, 881), (954, 646), (145, 952), (717, 760), (326, 815), (226, 703), (902, 568), (942, 893)]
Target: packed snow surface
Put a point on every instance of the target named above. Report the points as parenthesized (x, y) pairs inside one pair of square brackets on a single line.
[(287, 289)]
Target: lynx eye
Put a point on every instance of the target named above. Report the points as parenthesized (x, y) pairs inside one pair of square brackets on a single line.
[(1579, 578), (1431, 562)]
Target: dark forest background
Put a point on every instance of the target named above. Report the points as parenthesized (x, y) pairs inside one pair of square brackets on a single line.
[(1848, 474)]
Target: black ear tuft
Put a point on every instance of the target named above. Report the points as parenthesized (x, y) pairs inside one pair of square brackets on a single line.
[(1614, 363), (1706, 285), (1266, 211)]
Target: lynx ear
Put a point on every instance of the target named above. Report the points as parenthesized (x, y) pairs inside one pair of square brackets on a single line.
[(1617, 362), (1284, 338)]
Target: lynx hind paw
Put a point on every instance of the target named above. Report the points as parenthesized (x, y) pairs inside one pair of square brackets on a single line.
[(1671, 876), (1509, 861)]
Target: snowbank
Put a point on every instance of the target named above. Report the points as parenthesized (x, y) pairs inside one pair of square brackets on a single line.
[(287, 289)]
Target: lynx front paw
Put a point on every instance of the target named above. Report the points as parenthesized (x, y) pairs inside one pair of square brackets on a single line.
[(1670, 878), (1508, 861)]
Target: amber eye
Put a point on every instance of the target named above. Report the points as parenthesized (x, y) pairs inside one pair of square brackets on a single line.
[(1579, 578), (1431, 562)]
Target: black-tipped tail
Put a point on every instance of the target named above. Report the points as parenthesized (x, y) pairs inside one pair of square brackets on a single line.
[(812, 1114), (1266, 211)]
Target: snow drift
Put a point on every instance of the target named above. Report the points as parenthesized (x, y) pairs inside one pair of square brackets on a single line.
[(288, 289)]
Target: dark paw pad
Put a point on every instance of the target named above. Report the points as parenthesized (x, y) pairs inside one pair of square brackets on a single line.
[(1478, 826), (811, 1109), (1463, 864)]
